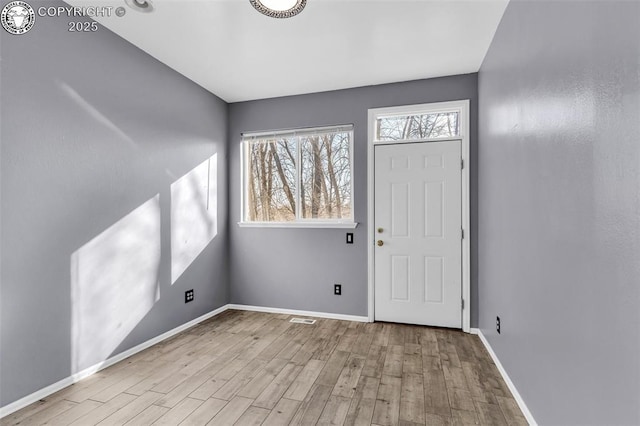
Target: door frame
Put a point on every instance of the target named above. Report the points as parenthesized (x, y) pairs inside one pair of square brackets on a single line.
[(462, 108)]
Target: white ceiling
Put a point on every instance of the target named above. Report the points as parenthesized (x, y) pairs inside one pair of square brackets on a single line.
[(238, 54)]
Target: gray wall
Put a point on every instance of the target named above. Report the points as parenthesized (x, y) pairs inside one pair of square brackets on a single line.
[(559, 209), (92, 128), (296, 268)]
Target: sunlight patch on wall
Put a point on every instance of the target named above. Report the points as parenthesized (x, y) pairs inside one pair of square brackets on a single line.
[(114, 284), (194, 215), (544, 115)]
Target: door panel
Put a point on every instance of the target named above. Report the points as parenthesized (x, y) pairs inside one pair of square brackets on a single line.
[(400, 278), (434, 279), (433, 206), (418, 208), (400, 210)]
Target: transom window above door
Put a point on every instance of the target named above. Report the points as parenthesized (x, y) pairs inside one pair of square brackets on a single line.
[(405, 127), (298, 178)]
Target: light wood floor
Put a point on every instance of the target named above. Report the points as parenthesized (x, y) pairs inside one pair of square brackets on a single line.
[(250, 368)]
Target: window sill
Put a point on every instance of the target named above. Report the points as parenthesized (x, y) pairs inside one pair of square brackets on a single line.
[(349, 225)]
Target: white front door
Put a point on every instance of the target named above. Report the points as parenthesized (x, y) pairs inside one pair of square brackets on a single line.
[(418, 233)]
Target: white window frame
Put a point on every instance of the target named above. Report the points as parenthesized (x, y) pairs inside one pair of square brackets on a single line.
[(298, 222), (405, 111), (462, 108)]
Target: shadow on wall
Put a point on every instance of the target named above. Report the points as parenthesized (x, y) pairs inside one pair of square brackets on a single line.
[(115, 277), (94, 113)]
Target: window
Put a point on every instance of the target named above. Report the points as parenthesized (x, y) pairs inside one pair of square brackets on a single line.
[(298, 178), (416, 127)]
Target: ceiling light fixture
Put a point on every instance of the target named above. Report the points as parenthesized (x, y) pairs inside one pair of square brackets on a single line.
[(140, 5), (279, 8)]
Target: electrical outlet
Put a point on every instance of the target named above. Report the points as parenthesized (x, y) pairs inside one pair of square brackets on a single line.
[(337, 289), (498, 324), (349, 237), (188, 296)]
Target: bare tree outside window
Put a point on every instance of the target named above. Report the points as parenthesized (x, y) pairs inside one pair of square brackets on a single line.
[(278, 190), (271, 181), (326, 176), (424, 126)]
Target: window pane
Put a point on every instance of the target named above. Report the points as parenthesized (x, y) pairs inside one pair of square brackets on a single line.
[(425, 126), (271, 179), (326, 176)]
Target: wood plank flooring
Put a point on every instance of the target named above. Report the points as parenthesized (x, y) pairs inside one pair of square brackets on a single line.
[(250, 368)]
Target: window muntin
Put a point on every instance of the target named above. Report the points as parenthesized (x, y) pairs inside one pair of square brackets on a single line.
[(418, 126), (299, 176)]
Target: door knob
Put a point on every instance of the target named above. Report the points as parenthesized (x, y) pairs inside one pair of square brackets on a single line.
[(380, 243)]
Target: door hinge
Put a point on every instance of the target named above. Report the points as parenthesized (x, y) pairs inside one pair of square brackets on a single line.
[(463, 304), (462, 234), (462, 163)]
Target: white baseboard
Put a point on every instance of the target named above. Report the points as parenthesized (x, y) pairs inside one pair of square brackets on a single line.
[(297, 312), (42, 393), (516, 395)]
